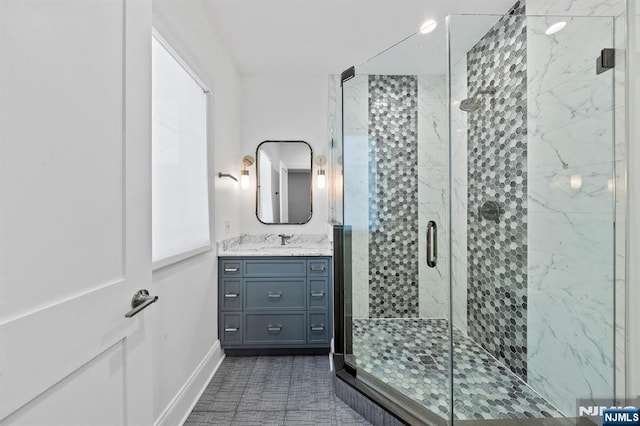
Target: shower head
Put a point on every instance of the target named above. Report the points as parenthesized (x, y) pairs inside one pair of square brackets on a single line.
[(469, 105), (473, 104)]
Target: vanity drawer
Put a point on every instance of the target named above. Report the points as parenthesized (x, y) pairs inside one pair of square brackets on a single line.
[(275, 268), (318, 267), (318, 296), (275, 328), (274, 293), (231, 268), (231, 297), (232, 328), (318, 328)]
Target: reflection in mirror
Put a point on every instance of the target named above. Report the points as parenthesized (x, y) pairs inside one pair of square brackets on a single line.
[(283, 193)]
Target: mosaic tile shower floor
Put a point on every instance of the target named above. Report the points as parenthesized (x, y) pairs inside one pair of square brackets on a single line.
[(412, 356)]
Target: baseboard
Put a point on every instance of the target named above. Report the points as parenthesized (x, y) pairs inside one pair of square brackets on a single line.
[(275, 351), (181, 405)]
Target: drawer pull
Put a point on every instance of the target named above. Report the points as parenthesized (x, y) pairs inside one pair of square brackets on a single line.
[(231, 329), (231, 295), (274, 295), (318, 294), (317, 328), (275, 329), (231, 269), (317, 268)]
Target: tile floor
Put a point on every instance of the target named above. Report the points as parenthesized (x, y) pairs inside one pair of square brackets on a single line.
[(412, 356), (273, 390)]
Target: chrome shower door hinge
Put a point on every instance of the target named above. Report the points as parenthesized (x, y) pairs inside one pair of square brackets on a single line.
[(606, 60)]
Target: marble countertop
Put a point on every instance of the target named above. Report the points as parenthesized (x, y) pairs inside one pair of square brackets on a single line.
[(269, 245)]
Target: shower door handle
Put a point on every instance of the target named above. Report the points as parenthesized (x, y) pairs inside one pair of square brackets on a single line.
[(432, 244)]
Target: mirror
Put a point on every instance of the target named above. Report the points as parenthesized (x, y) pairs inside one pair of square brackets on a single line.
[(283, 192)]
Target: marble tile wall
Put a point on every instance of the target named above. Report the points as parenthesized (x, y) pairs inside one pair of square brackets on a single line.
[(620, 136), (633, 191), (356, 195), (575, 8), (571, 117), (393, 196), (433, 193), (616, 9), (497, 172), (459, 188)]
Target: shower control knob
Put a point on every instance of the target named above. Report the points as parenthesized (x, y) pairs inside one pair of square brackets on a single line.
[(490, 210)]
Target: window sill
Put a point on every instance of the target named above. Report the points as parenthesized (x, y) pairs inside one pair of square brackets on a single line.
[(181, 257)]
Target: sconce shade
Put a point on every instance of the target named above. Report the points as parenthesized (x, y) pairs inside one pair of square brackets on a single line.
[(321, 179), (244, 179)]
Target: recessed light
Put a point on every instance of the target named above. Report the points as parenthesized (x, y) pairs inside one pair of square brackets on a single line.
[(555, 28), (575, 181), (428, 26)]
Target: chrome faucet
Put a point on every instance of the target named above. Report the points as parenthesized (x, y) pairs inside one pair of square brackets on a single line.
[(284, 238)]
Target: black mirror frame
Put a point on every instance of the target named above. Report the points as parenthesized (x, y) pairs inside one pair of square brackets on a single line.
[(310, 183)]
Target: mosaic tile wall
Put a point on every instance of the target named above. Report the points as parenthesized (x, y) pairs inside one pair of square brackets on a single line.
[(497, 162), (393, 195)]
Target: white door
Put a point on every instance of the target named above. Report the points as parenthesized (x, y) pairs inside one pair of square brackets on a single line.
[(75, 234), (284, 193), (265, 191)]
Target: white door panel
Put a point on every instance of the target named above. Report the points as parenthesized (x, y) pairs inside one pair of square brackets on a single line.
[(61, 123), (41, 348), (75, 211), (59, 404)]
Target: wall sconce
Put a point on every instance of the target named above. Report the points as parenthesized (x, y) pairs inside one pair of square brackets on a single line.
[(321, 176), (247, 161)]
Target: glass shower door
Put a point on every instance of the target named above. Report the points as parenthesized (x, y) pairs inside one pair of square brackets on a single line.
[(532, 172), (395, 165)]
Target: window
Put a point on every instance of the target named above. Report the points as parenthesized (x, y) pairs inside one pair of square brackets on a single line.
[(180, 193)]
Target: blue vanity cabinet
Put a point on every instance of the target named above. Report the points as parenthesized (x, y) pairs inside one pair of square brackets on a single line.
[(269, 304)]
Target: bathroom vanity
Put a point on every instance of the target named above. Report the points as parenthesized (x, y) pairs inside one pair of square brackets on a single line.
[(275, 299)]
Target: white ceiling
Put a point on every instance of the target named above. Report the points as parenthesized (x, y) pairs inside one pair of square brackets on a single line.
[(424, 54), (327, 36)]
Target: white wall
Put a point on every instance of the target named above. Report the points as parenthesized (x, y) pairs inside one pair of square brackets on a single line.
[(188, 28), (284, 107), (185, 337)]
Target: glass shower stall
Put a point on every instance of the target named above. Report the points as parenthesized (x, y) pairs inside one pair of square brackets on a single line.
[(476, 175)]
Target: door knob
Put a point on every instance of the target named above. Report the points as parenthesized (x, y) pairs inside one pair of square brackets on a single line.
[(140, 301)]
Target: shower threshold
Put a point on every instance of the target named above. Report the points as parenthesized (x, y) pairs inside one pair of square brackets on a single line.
[(411, 356)]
